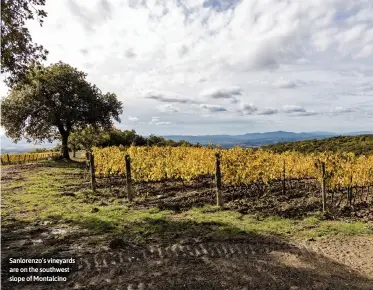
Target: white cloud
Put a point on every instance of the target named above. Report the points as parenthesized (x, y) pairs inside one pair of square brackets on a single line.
[(213, 108), (133, 119), (157, 121), (342, 110), (315, 55), (247, 109), (287, 84), (268, 111), (223, 94), (168, 108), (293, 109), (161, 97), (153, 120), (130, 53), (304, 114), (299, 111)]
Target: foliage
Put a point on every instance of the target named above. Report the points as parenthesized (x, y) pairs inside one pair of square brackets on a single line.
[(42, 199), (359, 145), (39, 150), (26, 157), (153, 140), (237, 165), (117, 137), (87, 138), (56, 101), (56, 148), (17, 49)]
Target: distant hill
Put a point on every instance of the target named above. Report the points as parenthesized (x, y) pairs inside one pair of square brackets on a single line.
[(7, 146), (227, 141), (256, 139), (360, 145)]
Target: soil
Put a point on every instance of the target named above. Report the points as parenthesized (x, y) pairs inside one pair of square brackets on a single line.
[(301, 198), (250, 262), (245, 261)]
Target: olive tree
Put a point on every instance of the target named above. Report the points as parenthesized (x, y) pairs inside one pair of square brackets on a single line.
[(54, 102)]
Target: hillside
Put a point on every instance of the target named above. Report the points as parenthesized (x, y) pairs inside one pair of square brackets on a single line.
[(258, 139), (360, 145)]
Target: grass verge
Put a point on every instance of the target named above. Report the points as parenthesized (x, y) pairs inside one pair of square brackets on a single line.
[(57, 192)]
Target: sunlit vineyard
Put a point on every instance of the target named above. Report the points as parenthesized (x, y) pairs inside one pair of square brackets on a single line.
[(238, 165), (7, 159)]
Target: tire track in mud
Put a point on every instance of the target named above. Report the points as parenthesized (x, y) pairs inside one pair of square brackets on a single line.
[(193, 265), (179, 251), (113, 264), (149, 266)]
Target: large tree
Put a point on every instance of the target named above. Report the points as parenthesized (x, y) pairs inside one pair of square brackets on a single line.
[(17, 49), (53, 102)]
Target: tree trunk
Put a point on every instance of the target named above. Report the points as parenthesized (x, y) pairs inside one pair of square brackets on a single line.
[(74, 153), (65, 148)]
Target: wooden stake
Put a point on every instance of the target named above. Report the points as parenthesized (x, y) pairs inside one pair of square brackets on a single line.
[(323, 189), (92, 168), (128, 178), (219, 198), (283, 179), (350, 192)]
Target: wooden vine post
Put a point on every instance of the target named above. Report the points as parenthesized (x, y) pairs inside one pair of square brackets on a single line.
[(323, 187), (349, 192), (92, 169), (7, 156), (128, 178), (219, 197), (284, 179)]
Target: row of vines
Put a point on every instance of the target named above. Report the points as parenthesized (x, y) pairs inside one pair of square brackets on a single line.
[(238, 165), (7, 159)]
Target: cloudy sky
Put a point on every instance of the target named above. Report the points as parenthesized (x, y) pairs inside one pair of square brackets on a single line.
[(217, 66)]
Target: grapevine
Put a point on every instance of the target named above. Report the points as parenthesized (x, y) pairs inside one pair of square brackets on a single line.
[(238, 165), (26, 157)]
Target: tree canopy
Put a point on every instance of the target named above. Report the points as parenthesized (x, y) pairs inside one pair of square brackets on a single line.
[(17, 49), (55, 101), (89, 137)]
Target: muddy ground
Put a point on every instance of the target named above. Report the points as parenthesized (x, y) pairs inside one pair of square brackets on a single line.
[(300, 199), (243, 261)]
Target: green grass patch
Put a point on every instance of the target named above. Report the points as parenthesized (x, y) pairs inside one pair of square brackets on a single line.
[(40, 195)]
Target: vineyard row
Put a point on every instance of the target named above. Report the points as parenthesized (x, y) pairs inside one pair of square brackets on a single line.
[(7, 159), (238, 165)]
